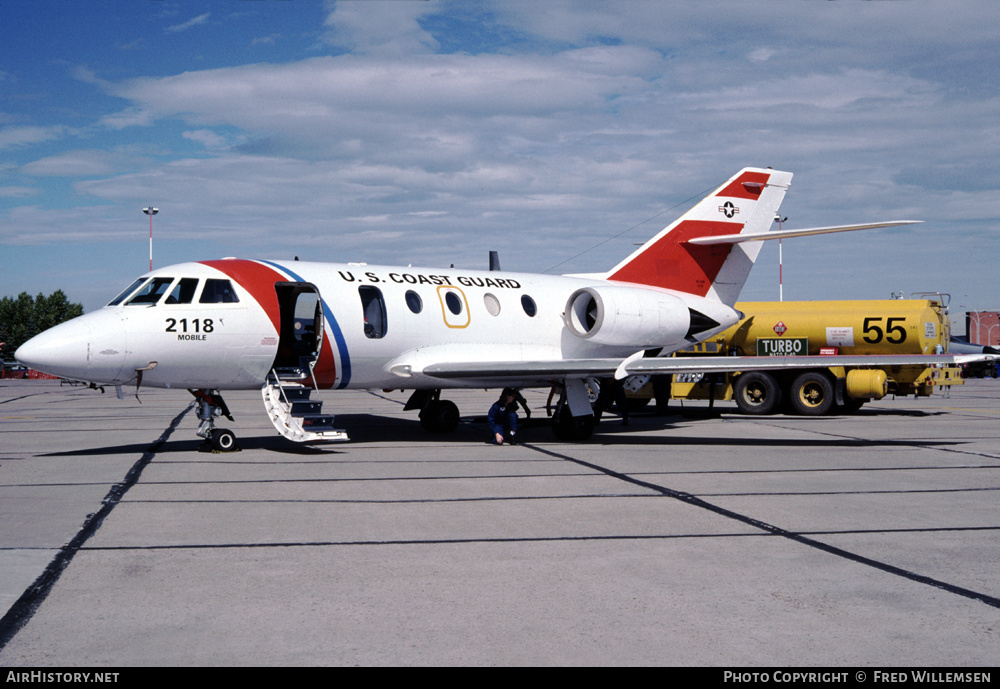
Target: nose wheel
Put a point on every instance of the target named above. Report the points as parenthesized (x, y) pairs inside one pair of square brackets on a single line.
[(211, 405), (223, 440)]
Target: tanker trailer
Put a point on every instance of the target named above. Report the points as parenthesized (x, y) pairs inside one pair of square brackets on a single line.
[(815, 328)]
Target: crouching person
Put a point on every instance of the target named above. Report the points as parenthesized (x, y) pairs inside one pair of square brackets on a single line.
[(502, 418)]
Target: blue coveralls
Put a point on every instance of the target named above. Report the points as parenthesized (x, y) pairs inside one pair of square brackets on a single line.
[(501, 421)]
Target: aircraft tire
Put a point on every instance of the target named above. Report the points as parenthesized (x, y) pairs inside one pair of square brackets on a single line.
[(812, 394), (757, 393), (636, 403), (573, 429), (223, 440), (440, 416)]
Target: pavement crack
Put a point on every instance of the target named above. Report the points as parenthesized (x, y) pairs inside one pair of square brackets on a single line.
[(800, 538), (21, 612)]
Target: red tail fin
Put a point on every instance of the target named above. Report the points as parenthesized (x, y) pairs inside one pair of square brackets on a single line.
[(745, 204)]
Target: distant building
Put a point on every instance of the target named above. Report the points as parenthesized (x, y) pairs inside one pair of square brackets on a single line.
[(983, 327)]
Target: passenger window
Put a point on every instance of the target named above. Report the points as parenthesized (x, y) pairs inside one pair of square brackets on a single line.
[(528, 304), (454, 303), (492, 304), (128, 290), (218, 292), (183, 293), (414, 301), (454, 307), (373, 306), (151, 292)]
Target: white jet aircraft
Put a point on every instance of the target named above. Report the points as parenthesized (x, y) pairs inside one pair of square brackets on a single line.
[(289, 328)]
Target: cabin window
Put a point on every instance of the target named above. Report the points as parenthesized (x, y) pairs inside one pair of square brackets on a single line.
[(373, 306), (183, 293), (128, 290), (492, 304), (414, 301), (454, 306), (218, 292), (528, 304), (454, 303), (151, 292)]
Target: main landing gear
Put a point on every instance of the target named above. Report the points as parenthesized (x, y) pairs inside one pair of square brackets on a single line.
[(211, 405), (436, 415), (573, 420), (442, 416)]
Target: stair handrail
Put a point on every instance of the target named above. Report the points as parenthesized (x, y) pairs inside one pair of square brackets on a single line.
[(312, 372), (281, 388)]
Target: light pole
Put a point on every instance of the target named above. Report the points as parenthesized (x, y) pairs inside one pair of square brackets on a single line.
[(150, 211), (781, 293)]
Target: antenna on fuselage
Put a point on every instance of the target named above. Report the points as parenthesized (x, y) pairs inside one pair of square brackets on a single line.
[(494, 260)]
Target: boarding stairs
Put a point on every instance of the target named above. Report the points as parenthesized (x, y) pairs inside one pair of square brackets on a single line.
[(293, 413)]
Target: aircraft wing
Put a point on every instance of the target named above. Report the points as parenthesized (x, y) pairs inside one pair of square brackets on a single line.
[(634, 365)]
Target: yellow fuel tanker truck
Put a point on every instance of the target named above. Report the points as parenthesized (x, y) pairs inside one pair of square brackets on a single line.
[(890, 326)]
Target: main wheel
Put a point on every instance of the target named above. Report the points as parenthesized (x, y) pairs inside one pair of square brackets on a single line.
[(223, 440), (572, 428), (440, 416), (812, 394), (757, 393)]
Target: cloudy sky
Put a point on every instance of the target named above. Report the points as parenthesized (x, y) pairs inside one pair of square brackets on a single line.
[(559, 133)]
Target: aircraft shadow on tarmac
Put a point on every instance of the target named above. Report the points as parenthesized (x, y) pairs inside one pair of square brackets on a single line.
[(270, 443), (370, 428)]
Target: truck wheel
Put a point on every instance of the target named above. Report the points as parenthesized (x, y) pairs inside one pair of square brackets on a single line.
[(852, 405), (757, 393), (812, 394)]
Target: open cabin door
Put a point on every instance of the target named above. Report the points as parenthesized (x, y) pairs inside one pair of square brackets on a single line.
[(301, 338), (287, 398)]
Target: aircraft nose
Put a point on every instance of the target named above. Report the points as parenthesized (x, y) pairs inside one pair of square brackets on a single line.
[(90, 348)]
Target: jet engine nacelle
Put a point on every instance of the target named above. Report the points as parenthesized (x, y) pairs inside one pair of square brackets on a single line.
[(628, 316)]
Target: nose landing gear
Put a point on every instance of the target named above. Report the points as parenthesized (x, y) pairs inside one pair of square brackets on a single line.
[(211, 405)]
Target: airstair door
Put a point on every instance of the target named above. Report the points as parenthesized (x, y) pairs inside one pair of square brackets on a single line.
[(287, 398), (301, 338)]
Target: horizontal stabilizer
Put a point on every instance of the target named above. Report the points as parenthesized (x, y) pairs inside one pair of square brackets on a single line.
[(784, 234)]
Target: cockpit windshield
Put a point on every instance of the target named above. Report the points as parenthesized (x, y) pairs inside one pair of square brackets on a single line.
[(218, 292), (128, 290), (150, 292), (183, 293)]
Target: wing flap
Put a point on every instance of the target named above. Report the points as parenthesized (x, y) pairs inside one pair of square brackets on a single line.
[(619, 368), (525, 370)]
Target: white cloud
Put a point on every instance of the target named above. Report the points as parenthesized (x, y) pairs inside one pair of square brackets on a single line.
[(75, 164), (762, 54), (595, 118), (824, 91), (206, 138), (131, 117), (17, 192), (18, 136), (389, 27), (195, 21)]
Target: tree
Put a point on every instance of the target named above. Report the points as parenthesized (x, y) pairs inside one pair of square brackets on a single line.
[(22, 317)]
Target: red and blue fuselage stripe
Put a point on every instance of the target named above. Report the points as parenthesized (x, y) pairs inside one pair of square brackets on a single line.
[(334, 328)]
